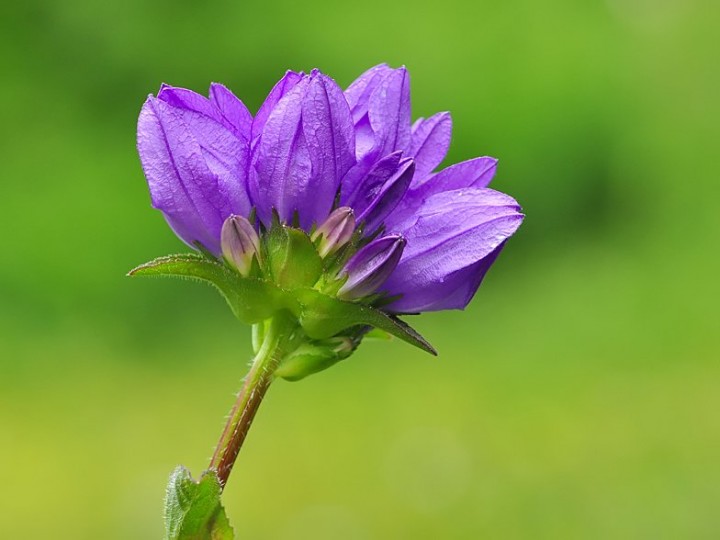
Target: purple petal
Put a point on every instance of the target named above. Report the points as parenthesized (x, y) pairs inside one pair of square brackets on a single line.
[(225, 156), (359, 92), (282, 167), (369, 268), (388, 196), (329, 135), (305, 148), (360, 188), (452, 231), (379, 101), (389, 112), (281, 88), (194, 169), (455, 292), (183, 98), (366, 173), (227, 114), (233, 111), (475, 173), (429, 142)]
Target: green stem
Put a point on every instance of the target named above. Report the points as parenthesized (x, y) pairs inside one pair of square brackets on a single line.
[(275, 344)]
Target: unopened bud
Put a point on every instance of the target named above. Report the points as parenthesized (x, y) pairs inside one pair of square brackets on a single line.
[(368, 269), (240, 243), (313, 357), (335, 232)]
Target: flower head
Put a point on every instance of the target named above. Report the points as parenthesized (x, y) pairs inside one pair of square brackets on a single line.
[(338, 188), (318, 219)]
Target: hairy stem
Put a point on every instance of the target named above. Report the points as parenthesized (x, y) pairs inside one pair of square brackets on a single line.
[(275, 342)]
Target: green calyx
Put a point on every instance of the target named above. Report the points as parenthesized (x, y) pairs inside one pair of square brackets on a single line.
[(315, 356), (288, 275), (293, 261)]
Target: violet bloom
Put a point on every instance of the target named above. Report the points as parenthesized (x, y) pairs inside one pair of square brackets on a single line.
[(312, 148), (454, 225), (317, 219)]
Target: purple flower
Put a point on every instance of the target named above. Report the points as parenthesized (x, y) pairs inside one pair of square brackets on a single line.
[(318, 219), (454, 226), (195, 154), (312, 148)]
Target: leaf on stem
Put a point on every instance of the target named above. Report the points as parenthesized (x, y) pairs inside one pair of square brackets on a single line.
[(251, 300), (193, 510)]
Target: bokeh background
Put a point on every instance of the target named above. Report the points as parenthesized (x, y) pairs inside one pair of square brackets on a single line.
[(577, 397)]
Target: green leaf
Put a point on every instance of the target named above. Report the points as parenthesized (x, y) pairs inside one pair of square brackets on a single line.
[(193, 510), (323, 316), (292, 257), (251, 300)]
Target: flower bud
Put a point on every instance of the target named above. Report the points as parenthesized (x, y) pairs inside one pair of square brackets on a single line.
[(368, 269), (335, 232), (313, 357), (240, 243)]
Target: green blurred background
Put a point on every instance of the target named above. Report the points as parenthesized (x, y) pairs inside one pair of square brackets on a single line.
[(577, 397)]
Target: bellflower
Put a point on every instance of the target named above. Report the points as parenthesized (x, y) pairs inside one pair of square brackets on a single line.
[(207, 158), (318, 218), (454, 225)]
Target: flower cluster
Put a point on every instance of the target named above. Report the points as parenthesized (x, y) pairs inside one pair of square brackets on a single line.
[(347, 168), (318, 219)]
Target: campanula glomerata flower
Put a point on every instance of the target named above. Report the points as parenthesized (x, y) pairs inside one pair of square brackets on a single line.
[(320, 218), (312, 151)]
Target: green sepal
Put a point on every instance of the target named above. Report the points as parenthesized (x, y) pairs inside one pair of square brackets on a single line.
[(292, 258), (251, 300), (193, 510), (323, 316), (313, 357)]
